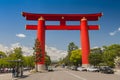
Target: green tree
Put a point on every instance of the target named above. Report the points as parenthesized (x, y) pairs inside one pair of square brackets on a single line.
[(71, 47), (110, 53), (76, 57), (95, 59), (47, 60), (17, 54), (29, 62), (95, 56), (3, 60), (96, 50), (37, 54), (117, 62), (3, 63), (2, 55), (37, 51)]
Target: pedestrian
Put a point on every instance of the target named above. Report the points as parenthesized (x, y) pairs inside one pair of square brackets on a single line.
[(13, 72)]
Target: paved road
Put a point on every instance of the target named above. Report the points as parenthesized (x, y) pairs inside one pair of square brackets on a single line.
[(63, 74)]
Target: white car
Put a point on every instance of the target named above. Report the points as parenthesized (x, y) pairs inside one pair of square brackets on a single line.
[(92, 69), (82, 69)]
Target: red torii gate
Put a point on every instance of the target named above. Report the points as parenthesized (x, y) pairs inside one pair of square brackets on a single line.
[(84, 27)]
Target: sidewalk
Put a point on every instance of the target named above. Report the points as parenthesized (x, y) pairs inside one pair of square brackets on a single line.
[(117, 72), (8, 76)]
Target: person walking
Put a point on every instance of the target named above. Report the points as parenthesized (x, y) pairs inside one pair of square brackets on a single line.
[(13, 72)]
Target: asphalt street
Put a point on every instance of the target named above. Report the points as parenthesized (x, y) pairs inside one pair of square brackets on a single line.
[(63, 74)]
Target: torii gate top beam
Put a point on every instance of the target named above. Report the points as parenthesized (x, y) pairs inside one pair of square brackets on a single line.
[(59, 17)]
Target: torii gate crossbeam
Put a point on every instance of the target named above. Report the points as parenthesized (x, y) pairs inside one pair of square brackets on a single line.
[(84, 27)]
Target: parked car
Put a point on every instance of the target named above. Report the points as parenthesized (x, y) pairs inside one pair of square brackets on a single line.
[(82, 69), (93, 69), (50, 68), (74, 68), (107, 70)]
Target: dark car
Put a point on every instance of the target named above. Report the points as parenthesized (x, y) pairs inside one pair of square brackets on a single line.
[(107, 70)]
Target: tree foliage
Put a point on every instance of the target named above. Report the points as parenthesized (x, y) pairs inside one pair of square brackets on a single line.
[(71, 47), (4, 63), (117, 62), (37, 51), (2, 54), (76, 57), (8, 61), (38, 55), (110, 53), (95, 56), (17, 54), (47, 60), (29, 61), (107, 55)]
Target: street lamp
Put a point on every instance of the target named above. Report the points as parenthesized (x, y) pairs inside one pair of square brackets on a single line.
[(20, 68)]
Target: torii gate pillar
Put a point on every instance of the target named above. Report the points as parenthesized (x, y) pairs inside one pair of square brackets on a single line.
[(41, 38), (85, 42)]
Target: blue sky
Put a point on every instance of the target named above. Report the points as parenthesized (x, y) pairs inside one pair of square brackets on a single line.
[(12, 23)]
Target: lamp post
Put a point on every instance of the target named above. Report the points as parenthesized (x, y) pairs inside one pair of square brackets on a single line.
[(20, 68)]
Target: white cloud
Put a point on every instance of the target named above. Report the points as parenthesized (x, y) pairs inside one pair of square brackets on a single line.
[(15, 45), (114, 32), (119, 29), (53, 52), (95, 47), (21, 35), (3, 48), (26, 50)]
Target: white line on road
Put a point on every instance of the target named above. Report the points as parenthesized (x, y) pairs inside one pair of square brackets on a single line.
[(76, 76)]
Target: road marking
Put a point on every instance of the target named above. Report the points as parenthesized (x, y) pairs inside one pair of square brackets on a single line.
[(76, 76)]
